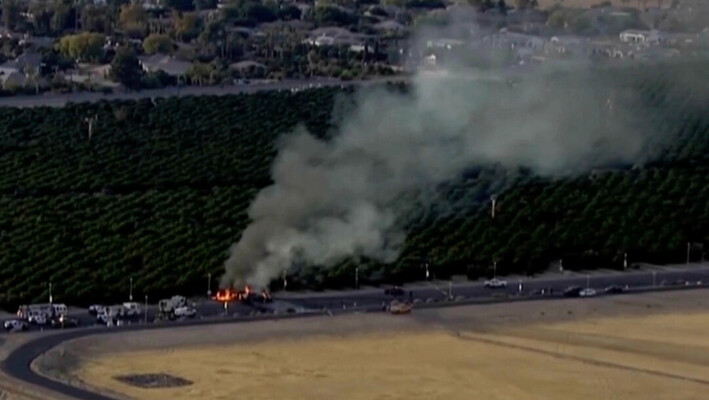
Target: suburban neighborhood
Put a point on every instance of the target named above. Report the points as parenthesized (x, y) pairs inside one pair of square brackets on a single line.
[(113, 45)]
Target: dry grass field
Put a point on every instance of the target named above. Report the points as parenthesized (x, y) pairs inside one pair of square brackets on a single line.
[(643, 347)]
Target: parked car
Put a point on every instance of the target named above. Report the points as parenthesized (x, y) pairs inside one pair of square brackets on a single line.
[(185, 312), (64, 322), (131, 309), (394, 291), (614, 289), (588, 292), (15, 325), (572, 291), (37, 319), (495, 284), (96, 309)]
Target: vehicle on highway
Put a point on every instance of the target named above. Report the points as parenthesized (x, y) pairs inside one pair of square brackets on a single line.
[(64, 322), (131, 309), (399, 307), (614, 289), (167, 307), (572, 291), (185, 312), (96, 309), (59, 309), (394, 291), (588, 292), (15, 325), (38, 318), (24, 311), (495, 283)]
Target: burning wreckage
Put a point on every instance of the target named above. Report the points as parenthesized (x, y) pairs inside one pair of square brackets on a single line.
[(248, 296)]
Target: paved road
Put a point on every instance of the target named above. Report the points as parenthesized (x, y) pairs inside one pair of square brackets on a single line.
[(60, 100), (375, 298), (18, 362)]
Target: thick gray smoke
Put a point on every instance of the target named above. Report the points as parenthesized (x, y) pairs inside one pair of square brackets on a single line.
[(335, 199)]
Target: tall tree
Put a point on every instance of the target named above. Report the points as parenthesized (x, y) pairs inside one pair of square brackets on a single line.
[(10, 13), (85, 46), (125, 68)]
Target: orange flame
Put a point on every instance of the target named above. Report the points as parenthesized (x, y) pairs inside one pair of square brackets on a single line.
[(225, 295), (229, 295)]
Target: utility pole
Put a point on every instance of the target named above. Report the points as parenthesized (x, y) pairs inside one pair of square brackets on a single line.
[(357, 278), (90, 121), (689, 247), (285, 280), (493, 199), (494, 269), (50, 292), (130, 293), (561, 265), (625, 261), (145, 310), (209, 284), (427, 272)]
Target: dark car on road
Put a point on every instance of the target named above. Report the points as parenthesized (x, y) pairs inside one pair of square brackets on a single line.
[(614, 289), (64, 322), (394, 291), (572, 291)]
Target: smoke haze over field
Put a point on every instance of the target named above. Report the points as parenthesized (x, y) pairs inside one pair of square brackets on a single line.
[(334, 199)]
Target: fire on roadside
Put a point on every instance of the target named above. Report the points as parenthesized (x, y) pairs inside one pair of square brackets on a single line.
[(229, 295)]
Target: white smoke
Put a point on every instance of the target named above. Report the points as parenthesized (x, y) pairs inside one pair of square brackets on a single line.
[(335, 199)]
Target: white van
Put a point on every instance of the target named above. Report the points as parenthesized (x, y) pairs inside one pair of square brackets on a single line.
[(131, 309), (59, 309)]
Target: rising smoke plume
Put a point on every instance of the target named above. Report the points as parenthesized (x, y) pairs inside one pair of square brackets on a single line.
[(335, 199)]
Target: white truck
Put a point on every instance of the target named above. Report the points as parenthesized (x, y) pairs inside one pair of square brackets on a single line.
[(110, 315), (167, 307), (131, 309)]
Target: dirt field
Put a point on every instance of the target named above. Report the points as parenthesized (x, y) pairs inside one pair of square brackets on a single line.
[(642, 347)]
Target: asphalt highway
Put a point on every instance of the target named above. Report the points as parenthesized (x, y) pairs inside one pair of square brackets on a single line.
[(17, 364)]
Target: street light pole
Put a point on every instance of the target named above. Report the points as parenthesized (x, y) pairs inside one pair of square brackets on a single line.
[(130, 294), (493, 199), (494, 269), (50, 292), (427, 273), (285, 280), (625, 261), (689, 247), (356, 277), (145, 310), (209, 284)]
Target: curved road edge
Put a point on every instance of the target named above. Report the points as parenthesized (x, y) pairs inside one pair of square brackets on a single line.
[(18, 364)]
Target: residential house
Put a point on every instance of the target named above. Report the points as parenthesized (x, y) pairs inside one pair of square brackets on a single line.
[(22, 63), (167, 64), (389, 26), (335, 36), (638, 36), (445, 43), (247, 66), (13, 80), (568, 45)]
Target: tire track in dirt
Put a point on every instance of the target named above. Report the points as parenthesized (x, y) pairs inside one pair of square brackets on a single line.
[(584, 360)]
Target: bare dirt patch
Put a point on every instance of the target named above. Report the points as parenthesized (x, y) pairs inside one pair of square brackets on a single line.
[(148, 381)]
